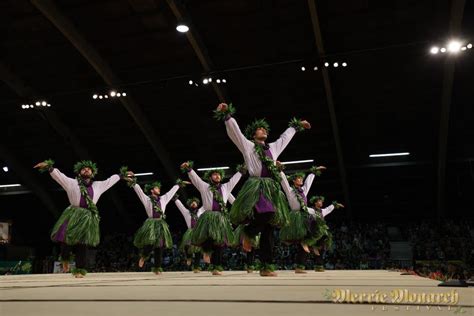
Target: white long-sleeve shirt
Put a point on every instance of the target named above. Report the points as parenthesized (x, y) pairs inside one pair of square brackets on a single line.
[(71, 186), (291, 193), (207, 196), (146, 199), (325, 211), (187, 213), (247, 147)]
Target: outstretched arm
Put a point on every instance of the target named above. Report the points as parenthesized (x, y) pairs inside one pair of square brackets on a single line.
[(165, 198), (233, 181), (280, 144), (64, 181), (285, 184), (185, 212), (108, 183)]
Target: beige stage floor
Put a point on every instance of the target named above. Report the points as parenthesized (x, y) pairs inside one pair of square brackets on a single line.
[(234, 293)]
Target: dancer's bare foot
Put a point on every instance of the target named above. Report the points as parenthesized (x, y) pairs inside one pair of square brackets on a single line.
[(316, 251), (268, 273), (298, 270), (206, 257), (65, 266), (249, 270), (188, 262), (78, 275), (196, 271), (141, 262), (246, 244), (216, 272), (305, 247)]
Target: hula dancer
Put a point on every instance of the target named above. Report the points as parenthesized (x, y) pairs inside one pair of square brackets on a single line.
[(213, 230), (154, 235), (296, 188), (191, 215), (78, 225), (260, 203), (320, 231)]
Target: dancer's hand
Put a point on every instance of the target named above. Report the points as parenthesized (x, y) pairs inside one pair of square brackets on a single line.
[(130, 174), (339, 205), (185, 165), (321, 168), (305, 124), (41, 165), (222, 107)]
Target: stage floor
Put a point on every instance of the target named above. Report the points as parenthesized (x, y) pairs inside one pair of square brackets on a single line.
[(234, 293)]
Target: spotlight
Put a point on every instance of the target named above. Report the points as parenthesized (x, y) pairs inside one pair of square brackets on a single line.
[(463, 48), (196, 85), (224, 81), (443, 50), (469, 46), (326, 64), (44, 103), (210, 79), (101, 97), (106, 96), (95, 96), (434, 50), (38, 103), (5, 169), (303, 68), (205, 81), (32, 106), (48, 105), (118, 95), (336, 65), (113, 93), (182, 28), (218, 80), (315, 68), (124, 94), (454, 46), (190, 82), (344, 64)]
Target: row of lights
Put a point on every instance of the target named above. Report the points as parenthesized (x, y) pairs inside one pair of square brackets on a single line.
[(453, 47), (206, 81), (37, 104), (112, 94), (326, 64)]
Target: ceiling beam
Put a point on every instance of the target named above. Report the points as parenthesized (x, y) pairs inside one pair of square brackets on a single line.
[(23, 90), (198, 45), (66, 27), (457, 12), (330, 101)]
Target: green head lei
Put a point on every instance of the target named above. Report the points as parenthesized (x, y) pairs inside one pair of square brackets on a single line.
[(191, 200), (316, 198), (85, 164), (250, 129), (208, 174), (151, 186), (296, 175)]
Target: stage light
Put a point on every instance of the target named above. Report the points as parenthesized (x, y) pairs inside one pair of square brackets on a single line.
[(205, 81), (5, 169), (101, 97), (326, 64), (224, 81), (95, 96), (218, 80), (303, 68), (469, 46), (344, 64), (190, 82), (213, 168), (296, 162), (434, 50), (454, 46), (443, 50), (336, 65), (182, 28), (113, 93), (389, 155), (118, 95), (315, 68)]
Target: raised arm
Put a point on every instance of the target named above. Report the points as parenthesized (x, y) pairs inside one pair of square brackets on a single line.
[(108, 183), (185, 212), (233, 181), (145, 199), (64, 181), (197, 181), (285, 185), (308, 182), (327, 210), (235, 134), (166, 198)]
